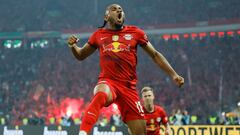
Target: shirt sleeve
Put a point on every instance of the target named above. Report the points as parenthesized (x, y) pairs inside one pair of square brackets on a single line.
[(142, 37), (93, 40), (164, 117)]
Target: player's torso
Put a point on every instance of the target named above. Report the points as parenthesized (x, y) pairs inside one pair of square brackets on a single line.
[(122, 42), (117, 43), (118, 53), (153, 121)]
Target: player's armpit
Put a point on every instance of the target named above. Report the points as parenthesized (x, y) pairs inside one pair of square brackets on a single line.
[(83, 52)]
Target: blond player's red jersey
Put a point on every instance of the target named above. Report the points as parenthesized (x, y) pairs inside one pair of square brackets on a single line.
[(118, 53), (155, 119)]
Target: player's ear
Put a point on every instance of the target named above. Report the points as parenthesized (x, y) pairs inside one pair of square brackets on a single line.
[(106, 16), (123, 14)]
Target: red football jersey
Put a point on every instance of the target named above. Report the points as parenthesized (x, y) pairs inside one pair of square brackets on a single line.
[(154, 119), (118, 53)]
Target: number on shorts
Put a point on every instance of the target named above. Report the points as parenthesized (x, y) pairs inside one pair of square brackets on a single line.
[(139, 107)]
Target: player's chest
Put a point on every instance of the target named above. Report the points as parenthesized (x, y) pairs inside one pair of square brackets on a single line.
[(120, 42), (151, 118)]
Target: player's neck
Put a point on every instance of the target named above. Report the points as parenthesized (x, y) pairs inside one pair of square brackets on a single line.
[(149, 108), (113, 27)]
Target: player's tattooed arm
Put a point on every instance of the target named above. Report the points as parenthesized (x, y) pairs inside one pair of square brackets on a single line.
[(162, 62), (80, 52)]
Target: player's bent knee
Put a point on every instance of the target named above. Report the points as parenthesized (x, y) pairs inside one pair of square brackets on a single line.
[(103, 88), (106, 89)]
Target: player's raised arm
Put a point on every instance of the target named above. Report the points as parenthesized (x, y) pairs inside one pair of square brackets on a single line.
[(162, 62), (80, 52)]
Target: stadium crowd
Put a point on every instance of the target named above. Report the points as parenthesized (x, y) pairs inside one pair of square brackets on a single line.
[(61, 15), (48, 86)]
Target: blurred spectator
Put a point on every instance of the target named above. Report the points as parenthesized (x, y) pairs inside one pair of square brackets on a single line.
[(223, 119), (178, 117), (237, 112), (194, 120), (212, 120), (186, 118), (234, 116), (67, 121), (103, 121), (116, 120)]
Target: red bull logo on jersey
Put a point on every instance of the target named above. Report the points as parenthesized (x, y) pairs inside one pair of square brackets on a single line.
[(116, 47)]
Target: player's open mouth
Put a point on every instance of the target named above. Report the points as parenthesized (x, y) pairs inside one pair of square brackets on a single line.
[(120, 16)]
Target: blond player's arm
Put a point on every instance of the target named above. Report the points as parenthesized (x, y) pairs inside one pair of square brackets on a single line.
[(167, 129), (162, 62), (80, 52), (129, 132)]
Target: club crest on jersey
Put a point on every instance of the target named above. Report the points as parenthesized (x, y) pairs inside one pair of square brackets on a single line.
[(152, 121), (158, 119), (128, 36), (115, 38)]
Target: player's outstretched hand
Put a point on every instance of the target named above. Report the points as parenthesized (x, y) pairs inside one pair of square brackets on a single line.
[(72, 40), (178, 80)]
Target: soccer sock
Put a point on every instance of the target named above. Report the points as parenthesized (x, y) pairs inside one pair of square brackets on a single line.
[(91, 114)]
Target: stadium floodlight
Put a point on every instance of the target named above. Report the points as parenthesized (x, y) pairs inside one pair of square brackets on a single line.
[(238, 32), (17, 43), (7, 43), (202, 34), (166, 37), (230, 33), (221, 34), (39, 44), (212, 34), (186, 35), (175, 36), (194, 35), (12, 43)]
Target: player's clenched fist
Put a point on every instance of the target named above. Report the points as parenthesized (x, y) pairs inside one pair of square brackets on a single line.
[(178, 80), (72, 40)]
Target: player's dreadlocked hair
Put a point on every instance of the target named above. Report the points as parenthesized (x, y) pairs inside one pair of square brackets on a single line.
[(106, 13), (104, 24)]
